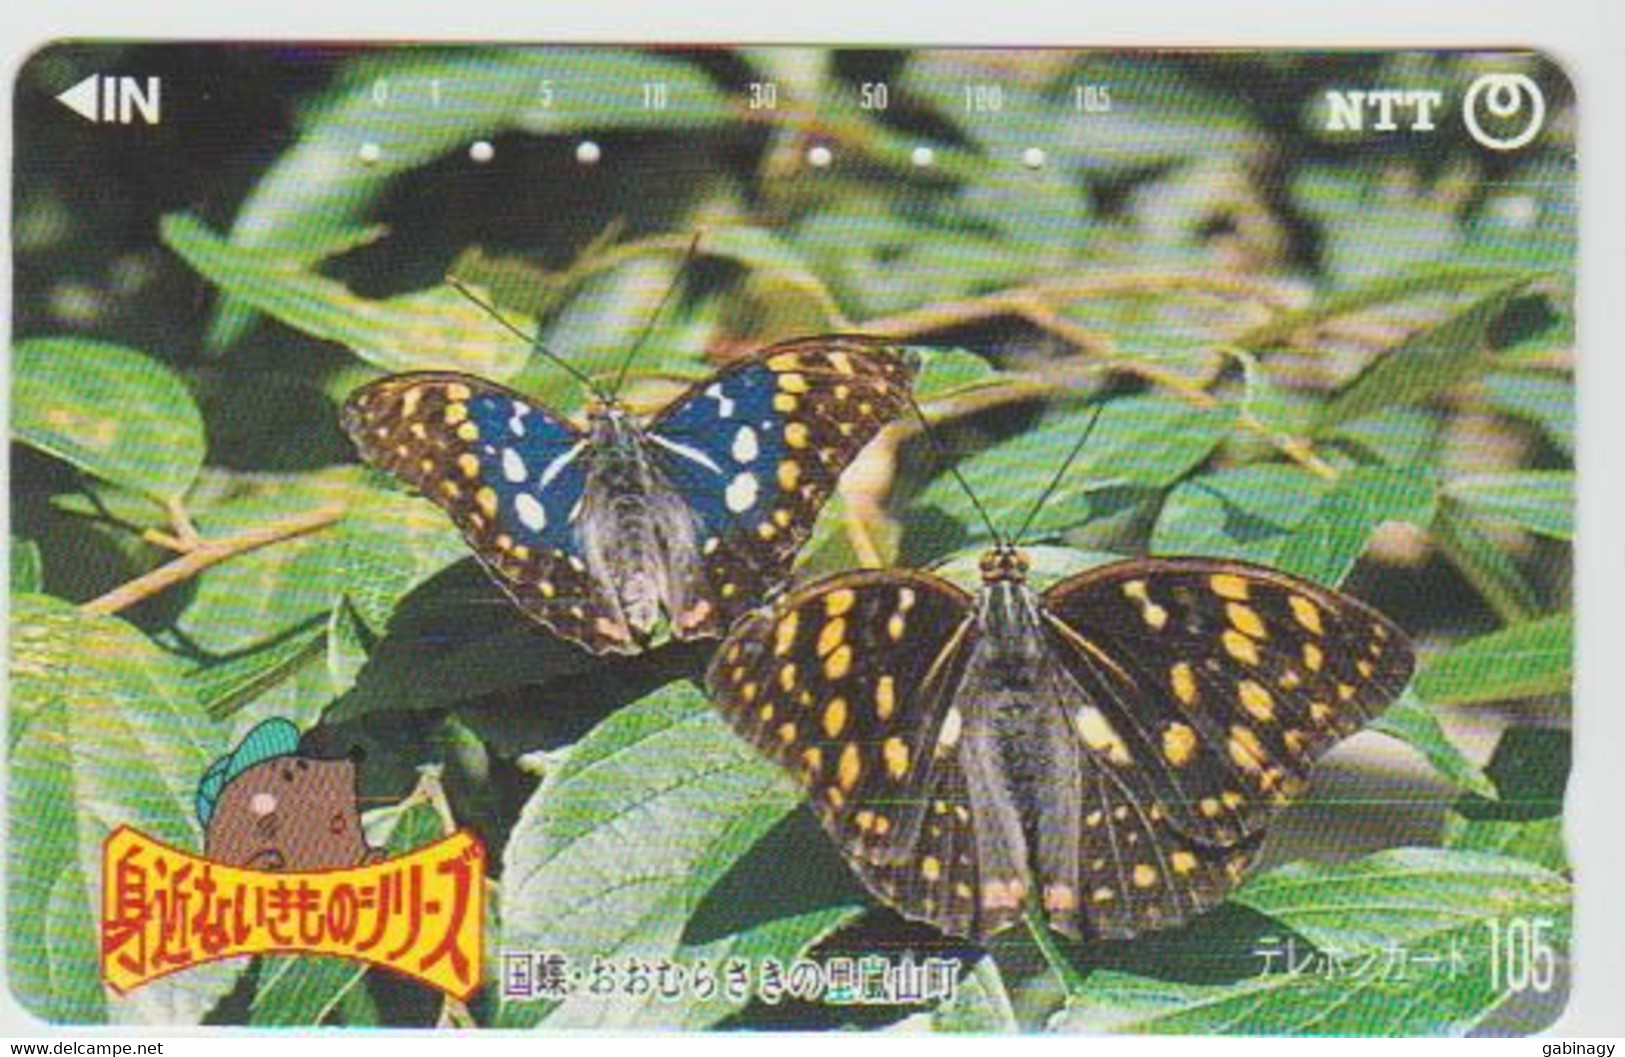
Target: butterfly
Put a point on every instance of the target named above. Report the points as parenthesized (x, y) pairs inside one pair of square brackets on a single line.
[(603, 532), (1114, 745)]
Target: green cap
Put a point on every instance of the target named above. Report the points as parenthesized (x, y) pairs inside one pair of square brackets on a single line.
[(267, 741)]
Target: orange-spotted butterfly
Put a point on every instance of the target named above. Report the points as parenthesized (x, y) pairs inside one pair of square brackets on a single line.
[(693, 516), (1111, 748)]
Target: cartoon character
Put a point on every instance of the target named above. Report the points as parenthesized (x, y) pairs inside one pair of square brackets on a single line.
[(266, 806)]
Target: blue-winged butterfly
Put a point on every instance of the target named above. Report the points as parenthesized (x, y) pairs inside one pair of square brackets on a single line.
[(693, 516), (1111, 748)]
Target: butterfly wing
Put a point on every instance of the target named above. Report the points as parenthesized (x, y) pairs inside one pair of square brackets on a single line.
[(847, 684), (510, 475), (1211, 686), (756, 449)]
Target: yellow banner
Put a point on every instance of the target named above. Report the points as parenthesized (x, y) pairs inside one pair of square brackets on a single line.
[(164, 909)]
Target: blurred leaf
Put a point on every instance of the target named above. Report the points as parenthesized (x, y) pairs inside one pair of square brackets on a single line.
[(1491, 572), (1391, 289), (27, 571), (1540, 397), (1288, 518), (436, 329), (436, 101), (1430, 903), (1524, 660), (102, 733), (1428, 362), (111, 411), (668, 777), (1143, 441), (1415, 724), (1541, 501)]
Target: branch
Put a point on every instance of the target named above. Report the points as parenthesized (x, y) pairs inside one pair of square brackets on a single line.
[(207, 552)]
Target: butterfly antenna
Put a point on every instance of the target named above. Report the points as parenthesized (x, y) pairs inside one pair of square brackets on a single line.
[(530, 340), (1060, 475), (648, 328), (941, 456)]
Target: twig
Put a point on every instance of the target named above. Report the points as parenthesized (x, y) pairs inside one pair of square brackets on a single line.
[(209, 552)]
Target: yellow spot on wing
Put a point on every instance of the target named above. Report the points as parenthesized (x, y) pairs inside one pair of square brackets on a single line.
[(792, 383), (1312, 657), (930, 868), (469, 463), (1183, 862), (1178, 744), (835, 717), (458, 391), (849, 768), (1246, 751), (838, 663), (1307, 612), (1246, 620), (795, 435), (1239, 646), (1184, 683), (1145, 875), (789, 474), (487, 499), (885, 696), (839, 602), (784, 361), (896, 753), (469, 432), (831, 635), (1228, 585), (1256, 700), (784, 636), (456, 413)]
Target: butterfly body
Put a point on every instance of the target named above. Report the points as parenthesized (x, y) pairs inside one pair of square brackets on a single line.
[(1110, 748), (602, 533)]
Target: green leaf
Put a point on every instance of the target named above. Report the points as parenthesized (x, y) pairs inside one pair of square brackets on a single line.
[(1434, 907), (111, 411), (1288, 518), (223, 686), (1538, 841), (27, 567), (437, 328), (1541, 501), (667, 777), (1524, 660), (1138, 442), (1430, 361), (315, 186), (102, 733), (1413, 723), (389, 544), (1328, 540)]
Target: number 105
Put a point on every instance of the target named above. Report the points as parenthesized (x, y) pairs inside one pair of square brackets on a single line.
[(1521, 954)]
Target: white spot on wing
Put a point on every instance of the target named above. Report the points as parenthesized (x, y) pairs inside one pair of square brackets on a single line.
[(741, 493), (513, 467), (556, 467), (693, 455), (745, 447), (517, 423), (725, 405), (530, 510)]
